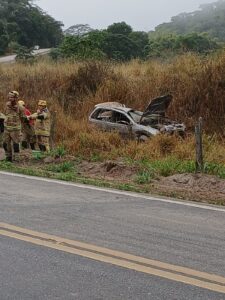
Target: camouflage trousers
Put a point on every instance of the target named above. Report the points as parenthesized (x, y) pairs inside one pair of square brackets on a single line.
[(28, 137), (43, 142), (11, 143)]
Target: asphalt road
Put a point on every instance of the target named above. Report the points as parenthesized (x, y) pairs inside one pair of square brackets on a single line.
[(11, 58), (147, 232)]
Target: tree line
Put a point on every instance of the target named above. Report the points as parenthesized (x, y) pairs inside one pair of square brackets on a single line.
[(209, 19), (117, 42), (202, 32), (120, 43), (24, 23)]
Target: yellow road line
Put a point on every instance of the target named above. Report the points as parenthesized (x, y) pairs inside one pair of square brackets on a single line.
[(152, 267)]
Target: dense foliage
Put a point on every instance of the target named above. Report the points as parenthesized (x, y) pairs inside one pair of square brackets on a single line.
[(117, 42), (23, 23), (169, 45), (210, 18), (78, 29), (120, 42)]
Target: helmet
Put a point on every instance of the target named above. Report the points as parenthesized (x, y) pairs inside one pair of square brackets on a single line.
[(21, 102), (42, 103), (14, 94)]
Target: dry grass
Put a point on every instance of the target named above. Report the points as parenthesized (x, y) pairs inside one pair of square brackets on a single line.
[(72, 89)]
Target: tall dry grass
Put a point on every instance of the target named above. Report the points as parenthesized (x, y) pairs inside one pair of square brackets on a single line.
[(72, 89)]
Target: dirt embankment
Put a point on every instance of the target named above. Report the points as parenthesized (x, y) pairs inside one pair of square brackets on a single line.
[(196, 187)]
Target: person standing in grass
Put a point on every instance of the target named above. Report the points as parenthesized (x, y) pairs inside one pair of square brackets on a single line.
[(28, 134), (42, 125), (12, 126)]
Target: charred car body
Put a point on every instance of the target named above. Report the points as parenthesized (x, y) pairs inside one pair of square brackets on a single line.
[(128, 122)]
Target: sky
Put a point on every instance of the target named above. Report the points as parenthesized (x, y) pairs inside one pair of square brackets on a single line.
[(141, 15)]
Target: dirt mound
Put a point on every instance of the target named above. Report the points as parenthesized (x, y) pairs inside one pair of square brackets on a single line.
[(202, 186), (109, 170)]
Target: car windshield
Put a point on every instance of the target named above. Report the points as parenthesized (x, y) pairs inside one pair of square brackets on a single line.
[(135, 115)]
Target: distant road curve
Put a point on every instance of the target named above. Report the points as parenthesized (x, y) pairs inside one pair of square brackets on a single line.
[(11, 58)]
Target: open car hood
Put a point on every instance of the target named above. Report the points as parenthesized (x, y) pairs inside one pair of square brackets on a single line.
[(158, 105)]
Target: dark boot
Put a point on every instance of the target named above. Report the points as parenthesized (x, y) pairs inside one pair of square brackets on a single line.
[(16, 147), (9, 158), (32, 146), (42, 148), (5, 146), (24, 145)]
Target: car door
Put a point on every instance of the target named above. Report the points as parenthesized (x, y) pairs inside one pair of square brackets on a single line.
[(121, 123)]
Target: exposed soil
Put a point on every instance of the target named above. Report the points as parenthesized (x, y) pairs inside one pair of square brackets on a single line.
[(206, 188), (108, 170), (197, 187)]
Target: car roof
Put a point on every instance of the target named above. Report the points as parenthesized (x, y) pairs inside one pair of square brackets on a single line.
[(114, 107)]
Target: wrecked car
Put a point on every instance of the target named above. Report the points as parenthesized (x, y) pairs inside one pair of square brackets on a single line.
[(131, 123)]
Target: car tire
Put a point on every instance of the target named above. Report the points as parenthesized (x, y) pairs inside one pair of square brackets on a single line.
[(142, 138)]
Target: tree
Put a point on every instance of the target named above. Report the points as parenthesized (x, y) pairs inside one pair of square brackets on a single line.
[(120, 28), (117, 42), (119, 47), (166, 46), (141, 40), (24, 23), (82, 47), (210, 18), (4, 38), (79, 29)]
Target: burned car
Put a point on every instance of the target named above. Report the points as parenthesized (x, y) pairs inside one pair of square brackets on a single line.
[(131, 123)]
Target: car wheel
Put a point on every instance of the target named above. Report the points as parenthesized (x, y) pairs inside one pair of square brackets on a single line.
[(142, 138), (182, 134)]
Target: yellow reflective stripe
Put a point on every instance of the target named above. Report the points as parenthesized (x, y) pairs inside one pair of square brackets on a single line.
[(13, 126), (13, 129), (42, 132)]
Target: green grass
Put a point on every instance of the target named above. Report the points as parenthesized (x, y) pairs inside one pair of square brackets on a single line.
[(166, 167), (96, 157), (63, 167), (144, 176), (60, 151), (70, 176), (170, 166), (214, 169)]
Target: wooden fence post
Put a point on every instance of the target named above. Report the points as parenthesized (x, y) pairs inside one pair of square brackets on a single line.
[(199, 148)]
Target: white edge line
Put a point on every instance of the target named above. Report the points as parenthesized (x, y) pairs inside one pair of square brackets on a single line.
[(117, 192)]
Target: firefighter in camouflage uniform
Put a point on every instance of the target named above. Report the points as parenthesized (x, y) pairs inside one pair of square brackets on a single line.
[(42, 125), (28, 134), (12, 129)]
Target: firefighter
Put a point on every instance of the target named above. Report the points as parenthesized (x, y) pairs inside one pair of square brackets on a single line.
[(13, 116), (2, 119), (28, 134), (42, 125)]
